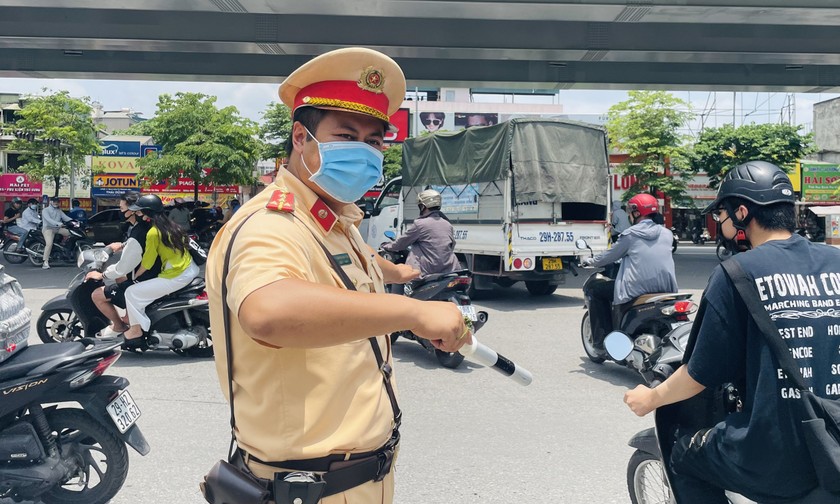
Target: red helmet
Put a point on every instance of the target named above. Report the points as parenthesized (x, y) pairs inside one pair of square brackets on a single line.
[(644, 203)]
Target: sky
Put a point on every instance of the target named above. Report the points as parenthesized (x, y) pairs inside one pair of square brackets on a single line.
[(713, 109)]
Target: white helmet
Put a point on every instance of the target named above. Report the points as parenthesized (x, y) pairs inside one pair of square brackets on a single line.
[(429, 198)]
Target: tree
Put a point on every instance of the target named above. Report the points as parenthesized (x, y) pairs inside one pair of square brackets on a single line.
[(193, 134), (392, 166), (55, 132), (718, 149), (275, 129), (646, 128)]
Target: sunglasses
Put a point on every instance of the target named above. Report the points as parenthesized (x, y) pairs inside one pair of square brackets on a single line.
[(433, 122)]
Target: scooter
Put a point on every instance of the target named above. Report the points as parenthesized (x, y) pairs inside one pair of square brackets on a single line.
[(64, 250), (180, 321), (700, 235), (658, 325), (450, 287), (648, 478), (72, 454)]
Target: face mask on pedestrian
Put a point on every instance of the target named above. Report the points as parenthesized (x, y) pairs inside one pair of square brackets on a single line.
[(54, 204), (33, 206), (348, 169)]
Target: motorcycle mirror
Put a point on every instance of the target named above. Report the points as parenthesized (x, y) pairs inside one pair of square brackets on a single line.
[(390, 235), (618, 345), (581, 244)]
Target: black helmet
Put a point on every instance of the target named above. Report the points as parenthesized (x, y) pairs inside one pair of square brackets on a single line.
[(149, 204), (17, 200), (760, 182), (32, 201)]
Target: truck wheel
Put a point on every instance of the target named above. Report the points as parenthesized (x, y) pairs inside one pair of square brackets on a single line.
[(540, 287)]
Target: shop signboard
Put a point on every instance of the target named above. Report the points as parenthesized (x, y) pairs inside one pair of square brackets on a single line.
[(111, 148), (113, 185), (186, 185), (113, 164), (820, 182), (19, 184)]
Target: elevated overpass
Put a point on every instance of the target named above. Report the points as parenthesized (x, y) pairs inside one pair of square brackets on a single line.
[(770, 45)]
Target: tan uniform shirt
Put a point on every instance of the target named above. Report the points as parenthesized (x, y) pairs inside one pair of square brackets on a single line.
[(294, 403)]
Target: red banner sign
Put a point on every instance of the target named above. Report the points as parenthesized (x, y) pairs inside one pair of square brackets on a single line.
[(18, 184), (186, 185)]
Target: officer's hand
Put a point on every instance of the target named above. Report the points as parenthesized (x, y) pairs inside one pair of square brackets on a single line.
[(442, 323), (405, 273), (640, 400)]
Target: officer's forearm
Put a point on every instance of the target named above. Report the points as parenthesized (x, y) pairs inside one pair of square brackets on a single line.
[(299, 314)]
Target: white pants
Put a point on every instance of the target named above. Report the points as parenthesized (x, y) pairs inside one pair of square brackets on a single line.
[(141, 295), (49, 236)]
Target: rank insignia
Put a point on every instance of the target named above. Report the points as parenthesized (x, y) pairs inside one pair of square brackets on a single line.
[(371, 80), (281, 201), (323, 215)]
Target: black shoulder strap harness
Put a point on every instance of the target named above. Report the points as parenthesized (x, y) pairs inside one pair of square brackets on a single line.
[(384, 367)]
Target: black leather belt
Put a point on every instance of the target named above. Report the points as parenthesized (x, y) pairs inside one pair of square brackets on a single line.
[(339, 473)]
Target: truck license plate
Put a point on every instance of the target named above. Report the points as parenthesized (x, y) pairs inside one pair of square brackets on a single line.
[(123, 410), (469, 311), (552, 263)]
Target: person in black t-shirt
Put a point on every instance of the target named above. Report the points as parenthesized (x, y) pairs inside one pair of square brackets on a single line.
[(758, 451), (106, 298), (11, 216)]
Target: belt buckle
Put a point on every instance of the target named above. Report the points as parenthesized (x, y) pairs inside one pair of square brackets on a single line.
[(298, 488), (386, 458)]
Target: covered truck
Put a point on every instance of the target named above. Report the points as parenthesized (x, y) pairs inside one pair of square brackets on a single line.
[(518, 195)]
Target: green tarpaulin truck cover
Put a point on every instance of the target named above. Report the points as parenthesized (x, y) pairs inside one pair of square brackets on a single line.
[(552, 160)]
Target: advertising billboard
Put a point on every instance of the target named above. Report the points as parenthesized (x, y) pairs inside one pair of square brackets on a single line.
[(820, 181), (120, 149)]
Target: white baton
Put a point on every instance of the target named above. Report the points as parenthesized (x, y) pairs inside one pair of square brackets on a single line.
[(485, 355)]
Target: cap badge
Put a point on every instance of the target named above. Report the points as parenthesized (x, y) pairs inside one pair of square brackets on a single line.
[(322, 214), (371, 80)]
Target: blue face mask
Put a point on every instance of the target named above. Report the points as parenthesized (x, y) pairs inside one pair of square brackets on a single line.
[(348, 169)]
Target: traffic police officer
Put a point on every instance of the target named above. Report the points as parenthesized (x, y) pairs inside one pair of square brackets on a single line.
[(306, 382)]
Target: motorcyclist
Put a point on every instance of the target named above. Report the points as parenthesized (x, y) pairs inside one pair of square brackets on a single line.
[(54, 220), (10, 219), (760, 451), (29, 221), (619, 220), (431, 238), (123, 272), (647, 265)]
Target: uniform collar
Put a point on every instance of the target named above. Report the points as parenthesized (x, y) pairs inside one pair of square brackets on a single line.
[(306, 200)]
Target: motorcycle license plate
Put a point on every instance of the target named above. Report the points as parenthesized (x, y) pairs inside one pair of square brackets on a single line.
[(552, 263), (123, 411), (469, 311)]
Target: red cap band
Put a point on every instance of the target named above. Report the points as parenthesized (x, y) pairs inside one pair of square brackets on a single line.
[(344, 94)]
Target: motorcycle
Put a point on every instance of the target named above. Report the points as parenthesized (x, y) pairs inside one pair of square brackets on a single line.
[(675, 242), (647, 475), (657, 324), (180, 321), (64, 250), (67, 454), (699, 236), (450, 287), (10, 243)]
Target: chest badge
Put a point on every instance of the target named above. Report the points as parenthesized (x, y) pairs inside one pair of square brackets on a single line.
[(281, 201)]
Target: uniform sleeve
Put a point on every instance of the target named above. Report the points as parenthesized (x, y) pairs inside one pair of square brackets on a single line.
[(720, 350), (271, 246), (150, 255)]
